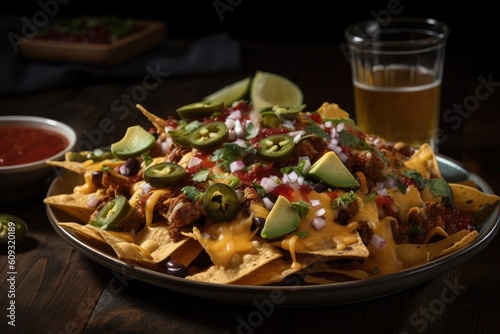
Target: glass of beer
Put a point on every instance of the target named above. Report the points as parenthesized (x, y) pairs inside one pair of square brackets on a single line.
[(397, 68)]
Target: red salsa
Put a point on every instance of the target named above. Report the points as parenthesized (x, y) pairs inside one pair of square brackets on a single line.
[(22, 144)]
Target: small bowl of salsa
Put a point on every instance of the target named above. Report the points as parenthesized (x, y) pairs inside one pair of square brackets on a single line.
[(26, 143)]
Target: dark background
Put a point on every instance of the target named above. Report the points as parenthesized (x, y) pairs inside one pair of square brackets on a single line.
[(474, 25)]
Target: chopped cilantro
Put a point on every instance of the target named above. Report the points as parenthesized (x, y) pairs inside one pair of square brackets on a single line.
[(252, 131), (192, 193), (344, 200), (317, 130), (347, 138), (302, 234), (147, 159), (371, 197), (228, 153), (260, 189), (192, 125), (202, 175), (415, 229), (439, 187), (417, 177), (302, 207)]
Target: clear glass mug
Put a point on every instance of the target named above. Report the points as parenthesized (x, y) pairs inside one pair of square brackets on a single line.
[(397, 69)]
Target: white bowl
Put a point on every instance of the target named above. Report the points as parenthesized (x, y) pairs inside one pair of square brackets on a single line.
[(18, 182)]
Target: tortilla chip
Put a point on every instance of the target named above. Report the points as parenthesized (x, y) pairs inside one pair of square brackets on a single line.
[(474, 201), (262, 254), (414, 254), (68, 165), (276, 271), (436, 231), (157, 241), (85, 231), (332, 110), (328, 247), (424, 161), (74, 204), (188, 252)]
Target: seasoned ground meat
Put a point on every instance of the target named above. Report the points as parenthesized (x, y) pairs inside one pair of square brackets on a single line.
[(181, 212), (420, 221), (369, 164), (365, 232), (345, 214)]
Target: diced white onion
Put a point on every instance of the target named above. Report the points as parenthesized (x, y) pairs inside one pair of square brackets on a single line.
[(343, 157), (241, 143), (236, 166), (340, 126), (293, 176), (300, 180), (230, 123), (307, 163), (146, 187), (92, 201), (382, 192), (268, 204), (377, 241), (268, 184), (194, 161), (328, 124), (332, 147), (320, 212), (315, 202), (318, 223), (241, 195), (232, 135), (235, 114)]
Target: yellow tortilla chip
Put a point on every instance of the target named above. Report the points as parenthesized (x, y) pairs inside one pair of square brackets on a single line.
[(276, 271), (424, 161), (244, 264), (187, 253), (332, 110), (414, 254), (157, 241), (472, 200), (74, 204), (83, 230)]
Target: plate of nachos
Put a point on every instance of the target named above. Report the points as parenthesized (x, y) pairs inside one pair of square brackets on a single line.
[(287, 204)]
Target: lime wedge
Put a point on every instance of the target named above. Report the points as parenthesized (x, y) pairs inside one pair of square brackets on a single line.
[(269, 89), (231, 93), (135, 142)]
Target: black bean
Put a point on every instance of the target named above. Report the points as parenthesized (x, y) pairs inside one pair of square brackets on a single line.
[(320, 187), (97, 177), (176, 269), (130, 167), (259, 222)]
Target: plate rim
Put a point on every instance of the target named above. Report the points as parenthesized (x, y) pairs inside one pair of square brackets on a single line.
[(298, 296)]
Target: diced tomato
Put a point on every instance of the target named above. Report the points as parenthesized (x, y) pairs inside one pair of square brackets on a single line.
[(284, 190), (256, 174), (457, 220), (406, 180), (386, 203), (316, 118)]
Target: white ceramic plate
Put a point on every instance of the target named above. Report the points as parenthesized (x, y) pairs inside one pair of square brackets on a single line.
[(291, 296)]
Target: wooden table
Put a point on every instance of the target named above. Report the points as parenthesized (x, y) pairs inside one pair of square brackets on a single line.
[(58, 290)]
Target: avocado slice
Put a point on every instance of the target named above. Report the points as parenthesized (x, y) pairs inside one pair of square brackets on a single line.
[(282, 219), (331, 171)]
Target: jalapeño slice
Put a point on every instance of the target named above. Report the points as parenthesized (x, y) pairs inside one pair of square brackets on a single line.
[(199, 110), (221, 202), (208, 135), (111, 214), (164, 174), (276, 147)]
